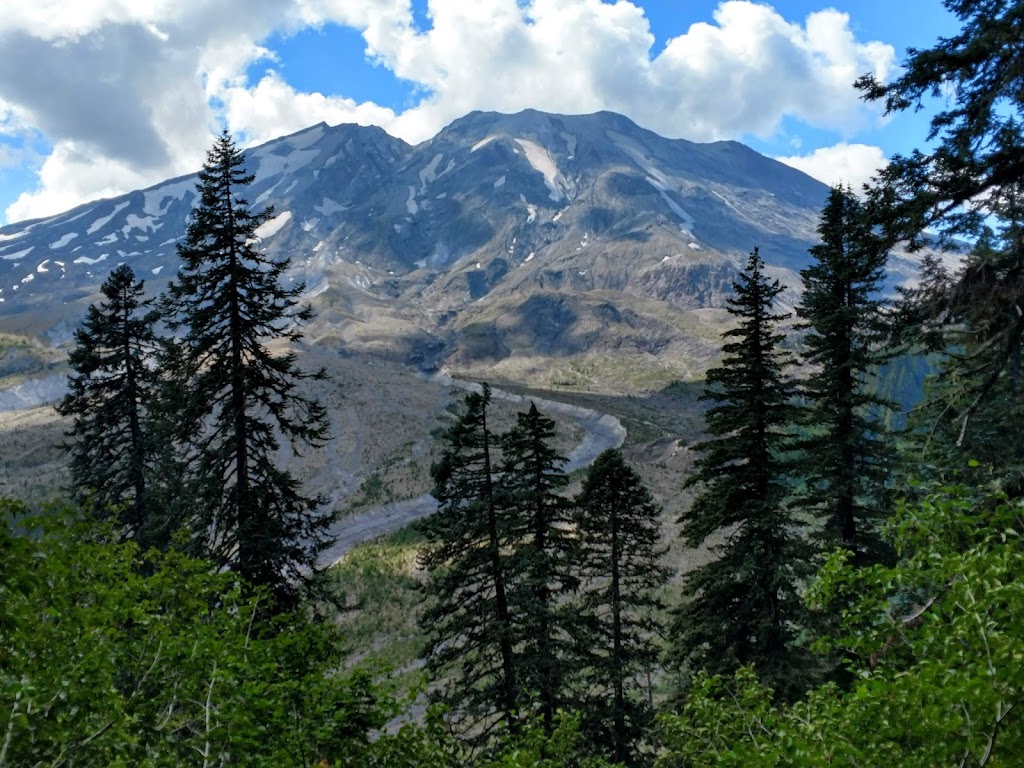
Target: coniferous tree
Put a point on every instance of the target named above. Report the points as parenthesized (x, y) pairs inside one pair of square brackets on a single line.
[(972, 320), (470, 629), (618, 527), (110, 400), (542, 567), (977, 157), (236, 399), (743, 607), (969, 185), (844, 461)]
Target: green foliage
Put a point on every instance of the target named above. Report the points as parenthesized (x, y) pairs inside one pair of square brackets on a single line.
[(844, 460), (470, 627), (970, 322), (968, 185), (235, 399), (743, 607), (110, 401), (507, 554), (935, 643), (110, 659), (543, 563), (618, 525), (976, 161), (430, 744), (381, 600)]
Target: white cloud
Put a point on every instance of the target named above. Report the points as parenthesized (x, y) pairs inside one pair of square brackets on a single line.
[(852, 164), (72, 175), (273, 108), (129, 93)]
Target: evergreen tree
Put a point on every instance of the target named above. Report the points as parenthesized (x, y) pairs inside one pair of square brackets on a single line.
[(743, 607), (542, 567), (237, 400), (978, 139), (470, 630), (110, 399), (844, 462), (968, 185), (971, 319), (617, 523)]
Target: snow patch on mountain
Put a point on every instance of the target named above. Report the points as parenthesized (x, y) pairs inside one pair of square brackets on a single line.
[(103, 220), (273, 226), (499, 183), (271, 163), (542, 161), (153, 200), (64, 240), (108, 240), (87, 260), (18, 255), (145, 223), (410, 204), (429, 174), (307, 138), (482, 143), (42, 267)]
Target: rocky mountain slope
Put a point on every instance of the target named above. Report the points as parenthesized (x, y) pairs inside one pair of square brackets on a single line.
[(566, 251)]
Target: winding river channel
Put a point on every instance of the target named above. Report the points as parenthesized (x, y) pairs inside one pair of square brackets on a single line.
[(600, 432)]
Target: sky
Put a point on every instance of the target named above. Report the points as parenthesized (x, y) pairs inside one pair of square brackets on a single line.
[(100, 97)]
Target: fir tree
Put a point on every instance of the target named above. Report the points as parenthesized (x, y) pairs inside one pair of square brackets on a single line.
[(967, 185), (617, 524), (844, 461), (110, 401), (469, 626), (236, 398), (972, 320), (541, 569), (977, 157), (743, 607)]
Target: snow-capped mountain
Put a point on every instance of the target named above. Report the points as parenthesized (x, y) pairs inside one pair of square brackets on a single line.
[(528, 242)]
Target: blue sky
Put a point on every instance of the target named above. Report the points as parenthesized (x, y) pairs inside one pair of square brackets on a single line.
[(103, 97)]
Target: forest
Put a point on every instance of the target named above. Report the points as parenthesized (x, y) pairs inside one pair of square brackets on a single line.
[(863, 605)]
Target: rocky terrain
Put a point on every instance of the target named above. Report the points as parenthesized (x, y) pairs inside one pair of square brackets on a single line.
[(575, 254), (578, 252)]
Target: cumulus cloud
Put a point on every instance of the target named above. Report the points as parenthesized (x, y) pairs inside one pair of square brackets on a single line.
[(273, 108), (129, 93), (848, 164)]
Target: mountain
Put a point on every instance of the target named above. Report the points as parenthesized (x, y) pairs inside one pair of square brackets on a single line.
[(578, 251)]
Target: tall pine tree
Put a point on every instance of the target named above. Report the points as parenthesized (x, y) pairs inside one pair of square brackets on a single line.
[(743, 607), (618, 526), (542, 567), (844, 462), (110, 399), (471, 637), (237, 399)]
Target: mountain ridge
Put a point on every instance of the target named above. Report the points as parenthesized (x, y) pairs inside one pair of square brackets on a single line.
[(533, 246)]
